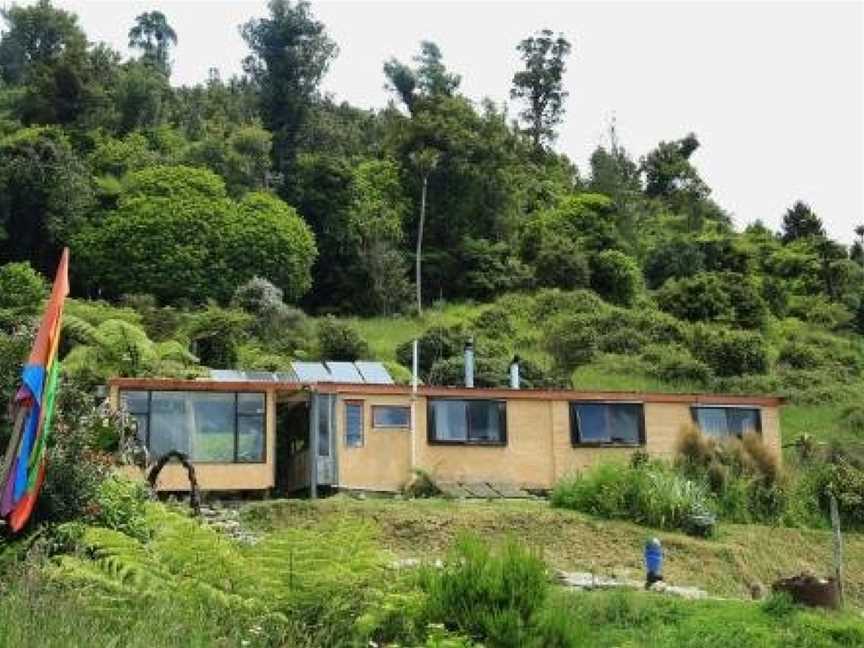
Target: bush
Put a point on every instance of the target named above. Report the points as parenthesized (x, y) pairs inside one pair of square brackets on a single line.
[(653, 494), (224, 242), (799, 356), (853, 418), (216, 334), (729, 352), (673, 363), (119, 505), (560, 263), (552, 302), (436, 343), (274, 319), (495, 323), (571, 341), (340, 341), (490, 595), (724, 298), (616, 277), (22, 289)]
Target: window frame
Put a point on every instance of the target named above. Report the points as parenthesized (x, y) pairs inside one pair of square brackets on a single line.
[(362, 405), (576, 434), (237, 416), (694, 409), (407, 409), (502, 418)]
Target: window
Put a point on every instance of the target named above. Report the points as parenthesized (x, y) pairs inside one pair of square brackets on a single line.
[(354, 424), (607, 424), (391, 416), (467, 421), (222, 427), (727, 421)]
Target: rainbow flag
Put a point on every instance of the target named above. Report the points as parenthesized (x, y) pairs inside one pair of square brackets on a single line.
[(23, 469)]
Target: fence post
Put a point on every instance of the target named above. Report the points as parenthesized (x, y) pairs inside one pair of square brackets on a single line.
[(838, 549)]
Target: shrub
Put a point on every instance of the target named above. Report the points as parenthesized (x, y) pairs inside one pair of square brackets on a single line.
[(552, 302), (216, 333), (274, 319), (616, 277), (675, 364), (22, 289), (340, 341), (489, 594), (729, 352), (119, 505), (560, 263), (724, 298), (622, 340), (571, 340), (653, 494), (495, 323), (853, 418), (799, 355), (436, 343)]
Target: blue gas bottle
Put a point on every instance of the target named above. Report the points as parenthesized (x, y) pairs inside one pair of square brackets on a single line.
[(653, 561)]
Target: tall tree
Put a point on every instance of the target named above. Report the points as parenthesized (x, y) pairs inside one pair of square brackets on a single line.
[(154, 37), (540, 84), (429, 78), (37, 36), (425, 160), (291, 52), (800, 221)]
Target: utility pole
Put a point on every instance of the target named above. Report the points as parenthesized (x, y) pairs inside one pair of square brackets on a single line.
[(425, 160), (838, 549)]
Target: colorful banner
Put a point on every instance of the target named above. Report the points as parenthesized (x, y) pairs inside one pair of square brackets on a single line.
[(23, 469)]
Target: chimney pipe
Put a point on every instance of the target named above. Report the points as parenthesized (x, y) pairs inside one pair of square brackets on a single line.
[(514, 373), (469, 363)]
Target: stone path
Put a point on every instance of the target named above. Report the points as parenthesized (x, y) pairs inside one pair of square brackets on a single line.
[(483, 490), (227, 521)]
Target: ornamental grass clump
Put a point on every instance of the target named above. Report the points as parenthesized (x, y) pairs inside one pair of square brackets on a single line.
[(650, 493)]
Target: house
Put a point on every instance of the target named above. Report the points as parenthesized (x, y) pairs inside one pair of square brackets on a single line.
[(253, 431)]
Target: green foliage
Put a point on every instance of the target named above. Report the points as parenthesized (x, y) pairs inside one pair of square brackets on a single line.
[(22, 289), (216, 333), (487, 594), (799, 222), (119, 505), (340, 341), (616, 277), (275, 321), (652, 494), (674, 364), (571, 341), (729, 352), (224, 243), (726, 298), (561, 263), (436, 343)]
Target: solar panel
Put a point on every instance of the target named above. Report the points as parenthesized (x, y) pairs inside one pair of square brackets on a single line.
[(227, 375), (287, 376), (374, 373), (311, 372), (260, 376), (344, 372)]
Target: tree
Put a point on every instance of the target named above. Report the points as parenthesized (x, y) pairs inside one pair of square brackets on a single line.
[(183, 238), (668, 170), (430, 79), (45, 196), (856, 251), (291, 52), (616, 277), (37, 37), (425, 161), (540, 84), (154, 37), (800, 221), (22, 289)]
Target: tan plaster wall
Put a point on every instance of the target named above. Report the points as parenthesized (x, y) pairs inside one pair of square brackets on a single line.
[(526, 460), (383, 462)]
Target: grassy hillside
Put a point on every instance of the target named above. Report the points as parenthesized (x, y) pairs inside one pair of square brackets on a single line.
[(319, 576), (725, 566)]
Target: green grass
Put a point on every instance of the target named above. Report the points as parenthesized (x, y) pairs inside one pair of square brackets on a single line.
[(637, 619), (725, 565)]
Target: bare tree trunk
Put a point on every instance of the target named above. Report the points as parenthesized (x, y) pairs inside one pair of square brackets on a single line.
[(420, 246)]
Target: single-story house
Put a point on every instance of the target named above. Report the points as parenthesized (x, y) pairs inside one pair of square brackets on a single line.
[(303, 430)]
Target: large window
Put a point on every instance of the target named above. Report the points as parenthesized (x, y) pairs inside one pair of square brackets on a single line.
[(727, 421), (391, 416), (606, 424), (467, 421), (222, 427), (354, 424)]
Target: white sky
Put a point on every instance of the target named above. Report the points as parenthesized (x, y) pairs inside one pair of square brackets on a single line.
[(774, 90)]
